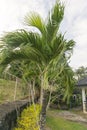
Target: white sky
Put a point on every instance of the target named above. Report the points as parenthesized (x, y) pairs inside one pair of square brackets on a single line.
[(74, 24)]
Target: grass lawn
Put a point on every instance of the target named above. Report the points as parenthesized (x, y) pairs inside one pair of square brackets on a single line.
[(7, 90), (59, 123)]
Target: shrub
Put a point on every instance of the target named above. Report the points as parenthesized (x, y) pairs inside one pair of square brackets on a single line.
[(29, 119)]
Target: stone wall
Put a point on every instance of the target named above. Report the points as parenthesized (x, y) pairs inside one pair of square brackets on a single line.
[(9, 113)]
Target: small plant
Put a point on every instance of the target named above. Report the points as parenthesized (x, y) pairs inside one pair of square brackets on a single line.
[(29, 119)]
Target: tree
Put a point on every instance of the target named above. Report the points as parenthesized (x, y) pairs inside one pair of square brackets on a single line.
[(81, 72), (45, 51)]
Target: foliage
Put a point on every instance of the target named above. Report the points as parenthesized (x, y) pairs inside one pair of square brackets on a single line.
[(65, 86), (44, 53), (81, 72), (29, 119), (40, 56)]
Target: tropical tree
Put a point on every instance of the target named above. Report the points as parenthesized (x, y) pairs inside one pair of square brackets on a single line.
[(45, 52), (81, 72)]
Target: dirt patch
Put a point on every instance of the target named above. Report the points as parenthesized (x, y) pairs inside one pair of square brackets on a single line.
[(68, 115), (47, 128), (73, 117)]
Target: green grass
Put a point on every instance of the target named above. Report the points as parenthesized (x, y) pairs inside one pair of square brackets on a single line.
[(7, 90), (58, 123)]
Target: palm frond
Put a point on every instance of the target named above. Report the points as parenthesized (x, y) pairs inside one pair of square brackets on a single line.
[(16, 38), (69, 48), (69, 82), (36, 21), (54, 19), (69, 45), (21, 38), (25, 53)]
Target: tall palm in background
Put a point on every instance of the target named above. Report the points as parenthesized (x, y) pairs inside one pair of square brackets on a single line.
[(45, 52)]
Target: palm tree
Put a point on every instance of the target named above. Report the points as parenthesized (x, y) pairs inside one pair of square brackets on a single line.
[(47, 50)]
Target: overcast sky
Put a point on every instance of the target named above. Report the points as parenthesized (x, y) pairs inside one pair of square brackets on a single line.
[(74, 23)]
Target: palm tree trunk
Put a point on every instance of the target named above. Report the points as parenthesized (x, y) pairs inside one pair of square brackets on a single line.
[(49, 98), (43, 110)]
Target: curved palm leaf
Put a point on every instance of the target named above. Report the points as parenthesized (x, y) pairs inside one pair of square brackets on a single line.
[(17, 38), (36, 21), (54, 19)]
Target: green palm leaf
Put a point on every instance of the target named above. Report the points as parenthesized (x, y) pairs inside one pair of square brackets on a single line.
[(36, 21), (54, 19)]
